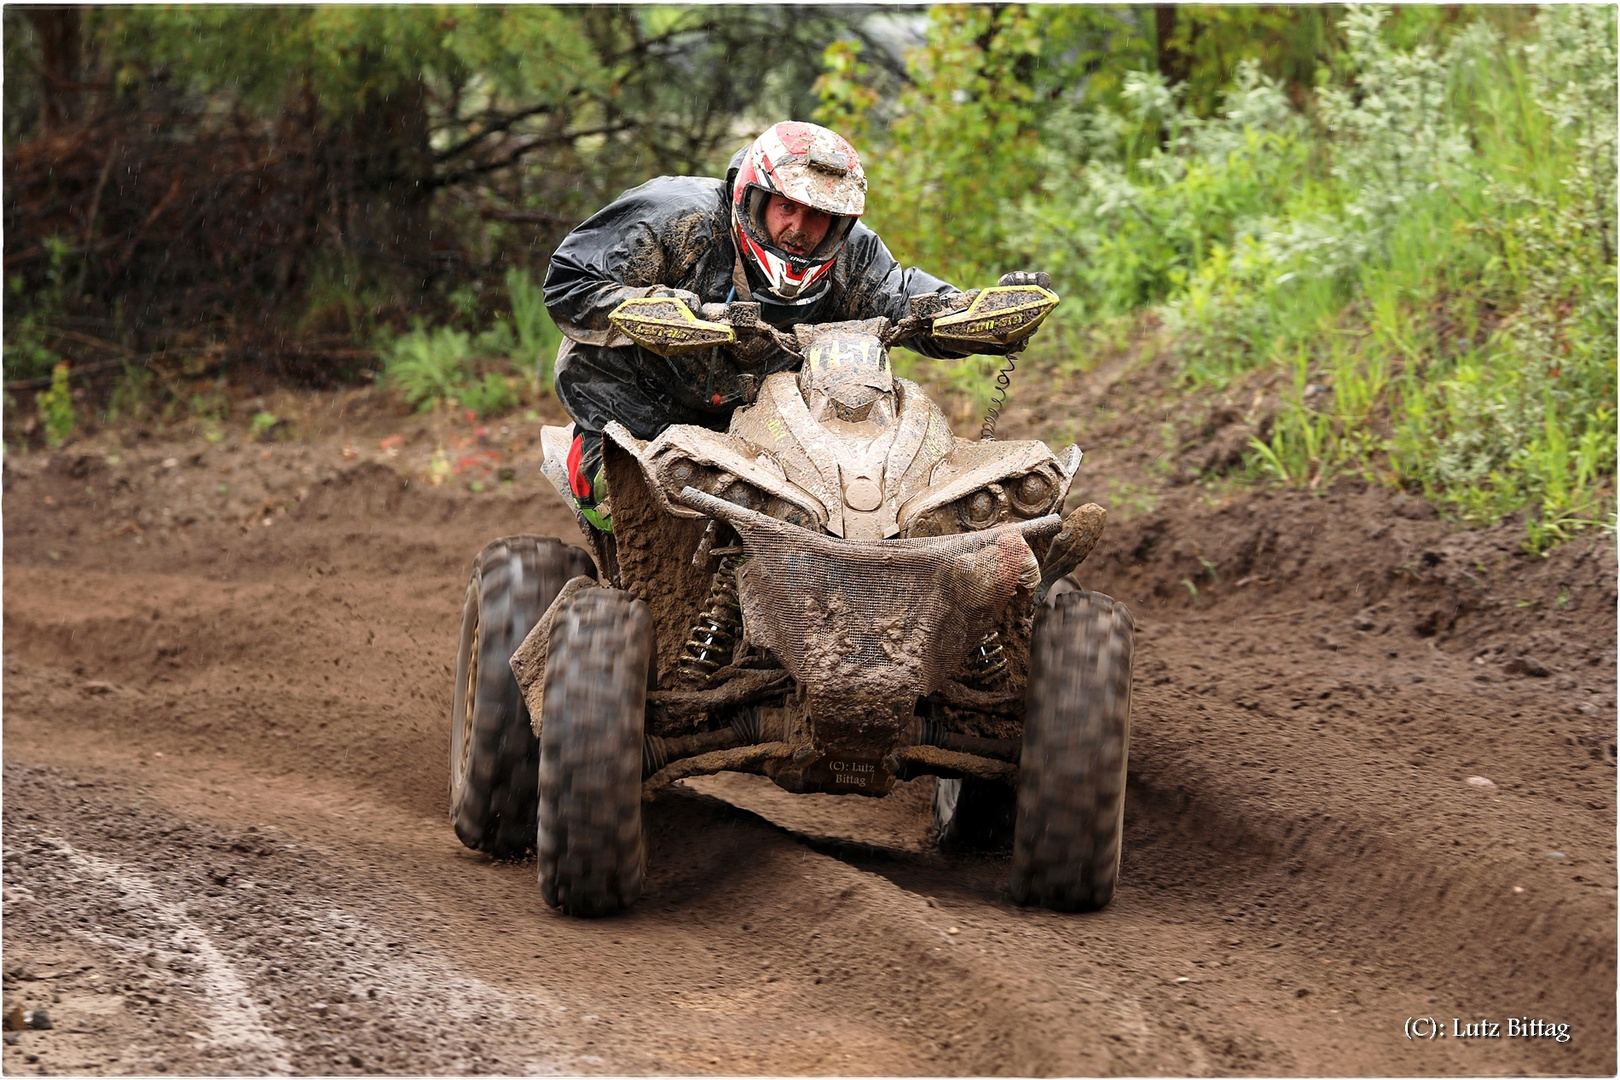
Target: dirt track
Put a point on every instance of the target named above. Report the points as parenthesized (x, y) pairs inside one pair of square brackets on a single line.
[(226, 847)]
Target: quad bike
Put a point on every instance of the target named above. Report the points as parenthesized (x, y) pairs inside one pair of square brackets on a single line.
[(836, 593)]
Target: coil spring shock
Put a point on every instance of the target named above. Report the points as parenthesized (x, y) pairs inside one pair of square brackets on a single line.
[(714, 635), (987, 433), (987, 660)]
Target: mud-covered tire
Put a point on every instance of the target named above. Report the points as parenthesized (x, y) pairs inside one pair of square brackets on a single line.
[(493, 752), (590, 846), (1077, 730), (973, 814)]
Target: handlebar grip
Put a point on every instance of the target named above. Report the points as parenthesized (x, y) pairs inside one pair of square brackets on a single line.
[(928, 305)]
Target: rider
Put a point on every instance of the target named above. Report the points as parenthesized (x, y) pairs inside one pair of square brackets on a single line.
[(781, 231)]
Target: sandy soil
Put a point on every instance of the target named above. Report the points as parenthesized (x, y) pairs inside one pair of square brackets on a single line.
[(1372, 779)]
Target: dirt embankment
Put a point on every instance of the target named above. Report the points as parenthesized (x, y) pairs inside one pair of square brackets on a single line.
[(1372, 779)]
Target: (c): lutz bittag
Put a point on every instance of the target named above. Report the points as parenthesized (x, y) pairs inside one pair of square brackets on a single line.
[(1515, 1027)]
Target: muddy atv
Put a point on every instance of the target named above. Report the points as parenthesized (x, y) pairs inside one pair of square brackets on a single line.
[(836, 593)]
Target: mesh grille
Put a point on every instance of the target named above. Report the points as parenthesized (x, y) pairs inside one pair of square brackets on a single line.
[(873, 621)]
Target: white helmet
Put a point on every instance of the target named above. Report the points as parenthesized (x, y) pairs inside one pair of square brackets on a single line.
[(810, 165)]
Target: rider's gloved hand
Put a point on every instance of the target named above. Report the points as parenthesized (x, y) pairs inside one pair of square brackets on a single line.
[(1027, 277), (690, 299)]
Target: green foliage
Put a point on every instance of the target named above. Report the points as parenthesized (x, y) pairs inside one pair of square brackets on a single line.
[(428, 367), (262, 423), (348, 57), (434, 367), (1485, 275), (605, 96), (487, 396), (960, 142), (55, 407), (1207, 42), (529, 337), (32, 315), (1138, 221), (131, 395), (1427, 255), (234, 173)]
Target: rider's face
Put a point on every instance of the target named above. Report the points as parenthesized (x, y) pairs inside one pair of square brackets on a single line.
[(795, 227)]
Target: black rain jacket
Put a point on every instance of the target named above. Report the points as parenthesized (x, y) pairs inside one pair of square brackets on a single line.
[(675, 232)]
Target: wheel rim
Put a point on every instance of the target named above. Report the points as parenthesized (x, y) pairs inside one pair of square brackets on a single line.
[(469, 702)]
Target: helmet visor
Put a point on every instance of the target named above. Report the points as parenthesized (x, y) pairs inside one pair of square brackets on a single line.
[(756, 198)]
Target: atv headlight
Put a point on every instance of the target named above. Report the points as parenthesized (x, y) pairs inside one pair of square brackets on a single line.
[(1032, 494), (679, 472), (744, 494), (983, 508)]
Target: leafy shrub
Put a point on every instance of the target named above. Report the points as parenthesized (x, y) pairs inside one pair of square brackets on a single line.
[(538, 337), (428, 367), (1428, 256), (56, 407), (441, 366), (529, 338), (32, 315), (959, 143), (487, 396)]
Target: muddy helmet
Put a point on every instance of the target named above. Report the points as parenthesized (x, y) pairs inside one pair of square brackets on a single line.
[(810, 165)]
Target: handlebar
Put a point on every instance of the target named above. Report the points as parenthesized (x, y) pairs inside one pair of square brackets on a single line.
[(1000, 315)]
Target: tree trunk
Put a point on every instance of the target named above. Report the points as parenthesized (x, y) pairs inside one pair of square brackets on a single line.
[(1174, 63), (60, 46)]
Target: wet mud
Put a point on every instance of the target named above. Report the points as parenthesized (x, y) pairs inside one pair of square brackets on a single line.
[(1372, 779)]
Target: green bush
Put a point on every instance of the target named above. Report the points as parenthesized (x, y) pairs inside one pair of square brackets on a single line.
[(1425, 251), (428, 367), (440, 366), (32, 316), (55, 407), (537, 336), (487, 396)]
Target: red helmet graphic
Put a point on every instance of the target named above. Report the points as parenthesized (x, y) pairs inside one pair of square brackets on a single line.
[(810, 165)]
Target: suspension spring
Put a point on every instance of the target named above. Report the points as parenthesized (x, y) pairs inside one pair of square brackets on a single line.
[(987, 433), (714, 636), (987, 660)]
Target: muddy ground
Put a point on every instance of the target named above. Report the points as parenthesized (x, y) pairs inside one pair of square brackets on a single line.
[(1372, 779)]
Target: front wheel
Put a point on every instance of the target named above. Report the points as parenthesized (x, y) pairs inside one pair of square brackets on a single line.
[(590, 848), (493, 753), (1077, 731)]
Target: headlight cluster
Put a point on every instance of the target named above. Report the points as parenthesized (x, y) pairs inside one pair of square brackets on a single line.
[(682, 472), (1017, 499)]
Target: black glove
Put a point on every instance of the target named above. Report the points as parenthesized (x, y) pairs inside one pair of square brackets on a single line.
[(1027, 277)]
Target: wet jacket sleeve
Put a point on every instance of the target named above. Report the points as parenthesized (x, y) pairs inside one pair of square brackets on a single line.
[(879, 286), (623, 251)]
